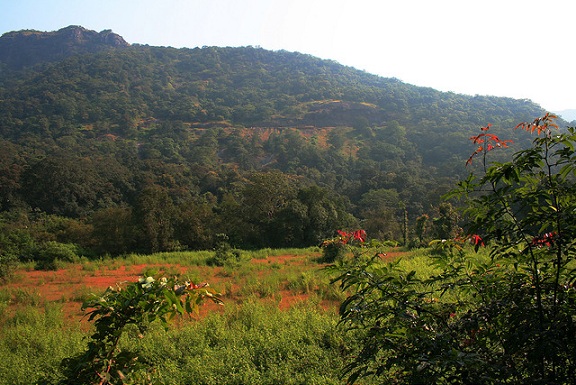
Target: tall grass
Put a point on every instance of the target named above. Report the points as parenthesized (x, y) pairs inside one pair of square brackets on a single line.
[(33, 341), (265, 253), (200, 258), (252, 343), (185, 258)]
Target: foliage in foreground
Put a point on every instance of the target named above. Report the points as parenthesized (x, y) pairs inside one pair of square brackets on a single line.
[(509, 318), (138, 304)]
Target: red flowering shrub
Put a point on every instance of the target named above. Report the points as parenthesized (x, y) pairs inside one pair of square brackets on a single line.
[(546, 239), (336, 248)]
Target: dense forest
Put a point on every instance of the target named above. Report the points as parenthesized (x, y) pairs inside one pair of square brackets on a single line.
[(109, 148)]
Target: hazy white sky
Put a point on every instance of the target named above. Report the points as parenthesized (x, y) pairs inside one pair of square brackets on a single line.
[(514, 48)]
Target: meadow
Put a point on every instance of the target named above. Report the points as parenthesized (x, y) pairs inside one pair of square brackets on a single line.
[(278, 324)]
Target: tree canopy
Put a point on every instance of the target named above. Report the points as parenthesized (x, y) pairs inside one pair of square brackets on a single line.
[(270, 147)]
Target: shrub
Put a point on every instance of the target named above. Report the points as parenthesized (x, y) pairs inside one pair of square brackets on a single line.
[(138, 304), (336, 248), (8, 263), (49, 252), (224, 254), (508, 318), (16, 243)]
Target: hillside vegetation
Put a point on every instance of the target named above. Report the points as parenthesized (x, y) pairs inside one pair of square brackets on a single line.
[(110, 148)]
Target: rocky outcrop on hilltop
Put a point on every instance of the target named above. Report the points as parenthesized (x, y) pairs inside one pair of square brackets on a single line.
[(27, 48)]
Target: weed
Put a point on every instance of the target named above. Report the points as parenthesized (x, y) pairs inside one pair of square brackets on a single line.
[(83, 294), (26, 297), (5, 296), (228, 292), (303, 282)]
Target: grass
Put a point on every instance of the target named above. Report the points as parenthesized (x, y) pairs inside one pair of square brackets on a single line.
[(200, 258), (82, 295), (26, 297), (33, 342), (253, 343), (250, 340)]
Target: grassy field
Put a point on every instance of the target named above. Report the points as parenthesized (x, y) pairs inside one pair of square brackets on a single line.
[(278, 323)]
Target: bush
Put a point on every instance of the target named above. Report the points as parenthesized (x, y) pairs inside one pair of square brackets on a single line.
[(17, 243), (335, 249), (8, 263), (136, 305), (224, 254), (47, 255), (509, 318)]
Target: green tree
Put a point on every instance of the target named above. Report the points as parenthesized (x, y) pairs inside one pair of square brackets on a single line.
[(314, 214), (380, 212), (11, 168), (63, 185), (422, 227), (205, 149), (524, 208), (326, 212), (444, 226), (264, 196), (336, 139), (230, 221), (154, 216), (113, 230), (195, 225)]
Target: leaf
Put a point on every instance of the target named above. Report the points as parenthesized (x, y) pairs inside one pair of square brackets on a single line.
[(173, 301), (189, 308)]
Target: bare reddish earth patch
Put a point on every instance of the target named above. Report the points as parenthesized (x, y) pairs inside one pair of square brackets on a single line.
[(72, 285)]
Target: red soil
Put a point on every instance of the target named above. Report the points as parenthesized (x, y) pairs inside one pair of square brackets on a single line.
[(70, 286)]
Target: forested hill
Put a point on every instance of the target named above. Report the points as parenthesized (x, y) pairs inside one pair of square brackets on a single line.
[(231, 86), (88, 122)]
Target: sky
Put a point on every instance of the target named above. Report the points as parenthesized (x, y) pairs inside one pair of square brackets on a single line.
[(522, 49)]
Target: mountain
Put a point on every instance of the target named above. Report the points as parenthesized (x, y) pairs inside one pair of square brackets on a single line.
[(268, 147), (27, 48), (90, 77)]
